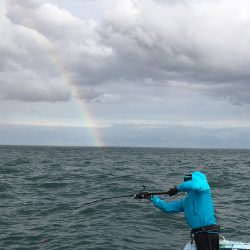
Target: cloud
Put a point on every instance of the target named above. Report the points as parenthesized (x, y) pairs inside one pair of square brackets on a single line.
[(199, 45), (31, 4), (42, 49), (203, 43), (28, 88), (236, 92)]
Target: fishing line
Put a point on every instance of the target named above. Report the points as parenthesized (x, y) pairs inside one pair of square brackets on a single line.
[(138, 196), (100, 200)]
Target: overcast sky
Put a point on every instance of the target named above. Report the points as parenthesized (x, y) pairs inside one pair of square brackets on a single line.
[(125, 73)]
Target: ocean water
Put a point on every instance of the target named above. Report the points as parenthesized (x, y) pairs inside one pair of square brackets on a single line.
[(41, 188)]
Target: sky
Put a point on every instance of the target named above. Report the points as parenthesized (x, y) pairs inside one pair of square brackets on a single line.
[(148, 73)]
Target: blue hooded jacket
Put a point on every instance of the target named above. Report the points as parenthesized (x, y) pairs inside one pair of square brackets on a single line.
[(197, 205)]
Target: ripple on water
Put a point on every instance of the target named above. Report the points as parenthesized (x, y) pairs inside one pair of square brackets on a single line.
[(42, 191)]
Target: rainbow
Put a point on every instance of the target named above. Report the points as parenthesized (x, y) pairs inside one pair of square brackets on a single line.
[(89, 122)]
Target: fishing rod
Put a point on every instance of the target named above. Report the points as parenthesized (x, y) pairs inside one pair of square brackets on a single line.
[(146, 195), (137, 196)]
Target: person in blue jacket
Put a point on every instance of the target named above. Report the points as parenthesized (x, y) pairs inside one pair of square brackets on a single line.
[(198, 209)]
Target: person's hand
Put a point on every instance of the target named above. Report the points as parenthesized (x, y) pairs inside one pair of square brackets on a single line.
[(172, 191)]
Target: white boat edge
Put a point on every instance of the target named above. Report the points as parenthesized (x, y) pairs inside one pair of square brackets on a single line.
[(224, 244)]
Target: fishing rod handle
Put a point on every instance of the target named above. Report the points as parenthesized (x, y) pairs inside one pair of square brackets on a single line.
[(147, 195), (160, 193)]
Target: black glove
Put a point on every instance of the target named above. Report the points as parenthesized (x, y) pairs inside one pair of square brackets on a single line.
[(172, 191)]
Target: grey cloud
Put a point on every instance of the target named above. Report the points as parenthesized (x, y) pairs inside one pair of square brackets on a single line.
[(28, 3), (41, 48), (51, 21), (27, 89), (137, 43), (237, 93), (187, 41)]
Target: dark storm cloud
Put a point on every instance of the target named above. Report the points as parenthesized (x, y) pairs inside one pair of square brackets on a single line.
[(201, 44), (185, 42)]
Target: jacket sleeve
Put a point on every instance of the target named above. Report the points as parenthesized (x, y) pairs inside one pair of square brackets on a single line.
[(188, 186), (167, 207)]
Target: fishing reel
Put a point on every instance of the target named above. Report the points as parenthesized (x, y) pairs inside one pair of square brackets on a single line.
[(142, 194)]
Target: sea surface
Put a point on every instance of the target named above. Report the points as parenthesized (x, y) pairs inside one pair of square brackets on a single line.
[(43, 189)]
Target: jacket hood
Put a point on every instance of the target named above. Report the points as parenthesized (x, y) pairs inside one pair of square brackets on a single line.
[(199, 177), (200, 180), (198, 183)]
